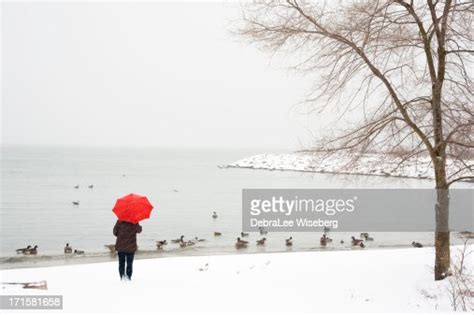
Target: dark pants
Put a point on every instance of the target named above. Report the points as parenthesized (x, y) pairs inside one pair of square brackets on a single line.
[(122, 256)]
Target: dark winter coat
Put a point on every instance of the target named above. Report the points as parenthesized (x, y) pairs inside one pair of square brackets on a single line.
[(126, 234)]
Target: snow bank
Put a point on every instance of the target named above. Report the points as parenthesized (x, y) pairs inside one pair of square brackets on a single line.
[(367, 164), (395, 280)]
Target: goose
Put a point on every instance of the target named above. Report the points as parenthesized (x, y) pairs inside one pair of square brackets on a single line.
[(76, 203), (160, 244), (342, 241), (186, 244), (262, 241), (178, 240), (197, 239), (67, 249), (328, 239), (76, 187), (241, 243), (32, 251), (23, 250), (416, 244), (323, 240), (183, 243), (79, 252), (214, 215), (289, 241), (90, 186), (242, 234), (217, 234), (262, 231), (355, 241), (110, 247)]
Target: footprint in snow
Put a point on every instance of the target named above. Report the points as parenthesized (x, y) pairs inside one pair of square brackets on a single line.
[(206, 266)]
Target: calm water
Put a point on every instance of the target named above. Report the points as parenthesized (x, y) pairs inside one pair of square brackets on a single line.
[(185, 186)]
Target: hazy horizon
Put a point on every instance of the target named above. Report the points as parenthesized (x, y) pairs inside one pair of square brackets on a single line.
[(143, 75)]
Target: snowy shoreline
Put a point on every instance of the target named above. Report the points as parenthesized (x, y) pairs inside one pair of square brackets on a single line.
[(344, 281), (367, 165), (41, 261)]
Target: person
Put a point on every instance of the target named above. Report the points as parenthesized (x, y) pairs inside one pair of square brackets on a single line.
[(126, 246)]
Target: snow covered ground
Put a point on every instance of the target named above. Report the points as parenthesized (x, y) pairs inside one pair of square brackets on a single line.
[(389, 280), (368, 164)]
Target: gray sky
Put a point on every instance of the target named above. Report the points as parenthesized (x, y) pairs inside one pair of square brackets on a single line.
[(157, 74)]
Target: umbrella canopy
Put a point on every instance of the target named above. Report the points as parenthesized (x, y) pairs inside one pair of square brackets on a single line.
[(132, 208)]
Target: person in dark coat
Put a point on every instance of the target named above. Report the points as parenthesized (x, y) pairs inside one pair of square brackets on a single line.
[(126, 246)]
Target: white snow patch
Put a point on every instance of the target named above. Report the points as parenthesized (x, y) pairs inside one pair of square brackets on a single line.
[(367, 164), (395, 280)]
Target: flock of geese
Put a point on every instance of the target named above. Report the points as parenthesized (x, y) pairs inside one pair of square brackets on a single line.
[(29, 250), (323, 241), (76, 202), (240, 243)]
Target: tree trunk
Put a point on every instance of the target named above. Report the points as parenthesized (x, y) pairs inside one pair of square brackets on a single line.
[(442, 260)]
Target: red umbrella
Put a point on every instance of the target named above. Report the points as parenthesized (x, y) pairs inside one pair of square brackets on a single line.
[(132, 208)]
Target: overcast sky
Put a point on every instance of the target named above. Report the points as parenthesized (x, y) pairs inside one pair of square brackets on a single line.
[(156, 74)]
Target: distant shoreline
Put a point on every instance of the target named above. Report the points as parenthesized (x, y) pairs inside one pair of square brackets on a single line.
[(372, 164)]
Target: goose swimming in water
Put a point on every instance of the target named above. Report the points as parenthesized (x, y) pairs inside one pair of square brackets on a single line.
[(183, 243), (178, 240), (217, 234), (262, 231), (242, 234), (32, 251), (241, 243), (326, 238), (23, 250), (416, 244), (355, 241), (90, 186), (79, 252), (214, 215), (76, 203), (261, 241), (67, 249), (289, 241), (160, 244), (323, 240)]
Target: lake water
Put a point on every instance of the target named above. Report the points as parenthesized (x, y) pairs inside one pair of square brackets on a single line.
[(185, 186)]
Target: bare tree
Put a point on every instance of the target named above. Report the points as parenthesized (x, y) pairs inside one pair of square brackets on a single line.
[(403, 65)]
